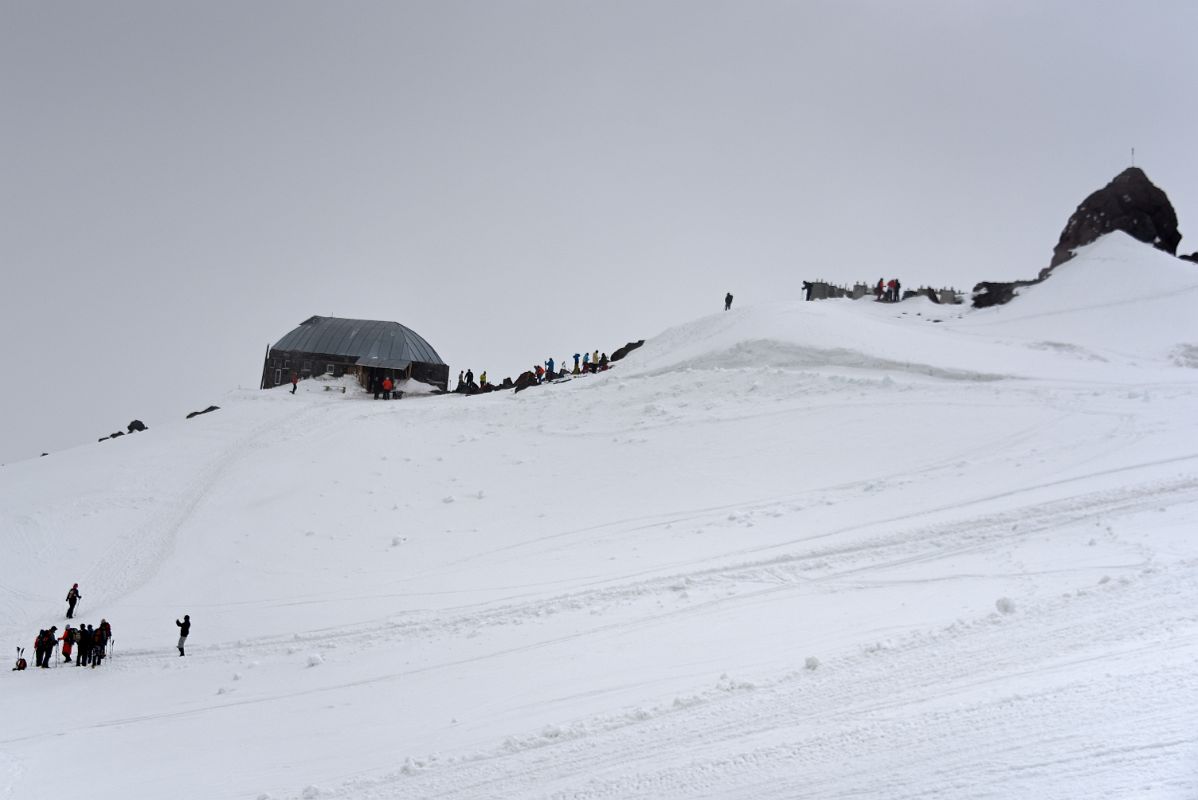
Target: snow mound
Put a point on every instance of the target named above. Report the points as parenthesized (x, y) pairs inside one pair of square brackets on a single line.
[(1117, 297), (1118, 302)]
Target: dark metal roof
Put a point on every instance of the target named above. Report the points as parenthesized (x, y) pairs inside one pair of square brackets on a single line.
[(373, 342)]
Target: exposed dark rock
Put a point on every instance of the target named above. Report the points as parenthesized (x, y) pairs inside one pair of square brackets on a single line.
[(137, 425), (526, 380), (207, 410), (626, 349), (1130, 203), (114, 435), (1191, 257), (991, 293)]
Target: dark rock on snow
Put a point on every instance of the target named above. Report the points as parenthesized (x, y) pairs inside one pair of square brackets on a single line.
[(626, 349), (1191, 257), (526, 380), (137, 425), (991, 293), (207, 410), (1130, 203)]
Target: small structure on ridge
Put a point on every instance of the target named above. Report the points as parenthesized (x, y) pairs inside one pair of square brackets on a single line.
[(364, 348)]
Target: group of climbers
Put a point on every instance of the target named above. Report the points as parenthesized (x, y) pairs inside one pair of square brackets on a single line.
[(85, 645), (92, 643), (889, 291), (386, 387), (596, 362)]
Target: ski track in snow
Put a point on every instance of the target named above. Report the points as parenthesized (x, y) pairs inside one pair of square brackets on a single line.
[(667, 746)]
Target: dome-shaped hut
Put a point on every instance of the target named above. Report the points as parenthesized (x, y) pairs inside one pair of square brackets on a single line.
[(366, 348)]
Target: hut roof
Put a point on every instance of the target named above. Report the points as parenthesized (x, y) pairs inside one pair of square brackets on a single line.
[(374, 343)]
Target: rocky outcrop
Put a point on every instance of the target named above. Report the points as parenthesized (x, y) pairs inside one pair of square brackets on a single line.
[(1130, 203), (207, 410), (1191, 257), (526, 380), (137, 425), (993, 293), (626, 349)]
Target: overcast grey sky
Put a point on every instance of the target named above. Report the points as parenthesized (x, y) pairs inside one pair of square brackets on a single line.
[(183, 183)]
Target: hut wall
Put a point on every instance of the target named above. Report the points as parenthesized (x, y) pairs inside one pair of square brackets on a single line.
[(280, 364)]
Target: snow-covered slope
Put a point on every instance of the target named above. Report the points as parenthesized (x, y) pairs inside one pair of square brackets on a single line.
[(825, 549)]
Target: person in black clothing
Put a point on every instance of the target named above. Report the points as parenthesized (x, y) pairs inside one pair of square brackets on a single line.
[(87, 637), (728, 301), (100, 642), (72, 598), (43, 646), (184, 629)]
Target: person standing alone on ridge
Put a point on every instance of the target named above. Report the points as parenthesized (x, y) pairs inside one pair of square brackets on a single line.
[(72, 598), (184, 629), (728, 301)]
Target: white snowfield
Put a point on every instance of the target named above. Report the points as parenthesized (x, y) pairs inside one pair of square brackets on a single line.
[(802, 550)]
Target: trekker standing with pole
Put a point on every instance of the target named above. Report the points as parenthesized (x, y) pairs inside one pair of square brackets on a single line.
[(184, 629), (73, 597), (68, 639)]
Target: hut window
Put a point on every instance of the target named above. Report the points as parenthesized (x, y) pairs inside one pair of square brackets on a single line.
[(278, 376), (329, 370)]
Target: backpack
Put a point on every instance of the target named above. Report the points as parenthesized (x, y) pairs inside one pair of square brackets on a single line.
[(21, 664)]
